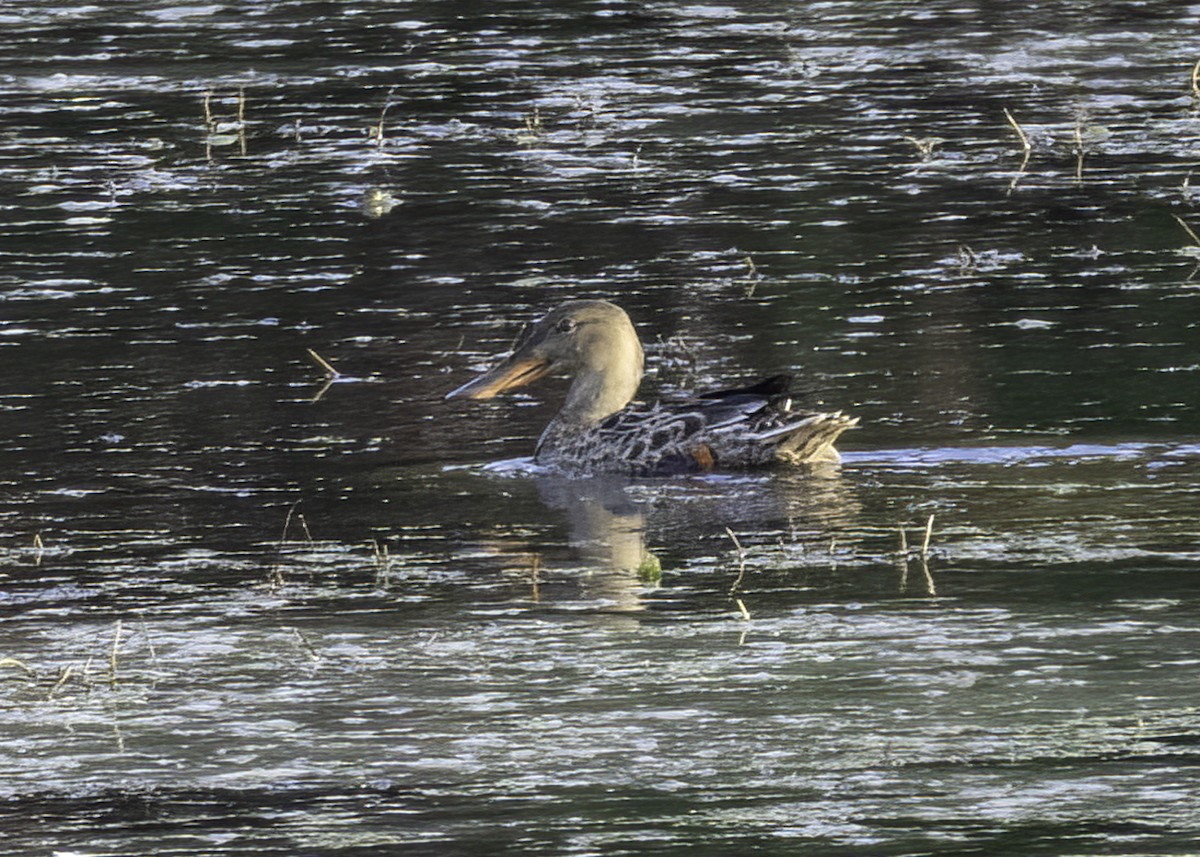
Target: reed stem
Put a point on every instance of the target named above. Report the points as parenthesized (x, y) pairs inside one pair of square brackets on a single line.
[(330, 372), (1191, 232), (1078, 150), (1026, 147), (241, 120), (112, 654), (1021, 135), (741, 555)]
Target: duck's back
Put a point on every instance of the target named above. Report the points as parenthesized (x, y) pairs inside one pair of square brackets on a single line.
[(733, 429)]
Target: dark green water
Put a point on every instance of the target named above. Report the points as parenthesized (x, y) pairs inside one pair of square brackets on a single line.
[(356, 621)]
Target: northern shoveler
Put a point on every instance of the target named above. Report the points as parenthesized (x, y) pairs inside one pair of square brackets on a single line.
[(598, 430)]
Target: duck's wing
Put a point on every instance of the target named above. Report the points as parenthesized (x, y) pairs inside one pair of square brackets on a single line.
[(734, 403), (751, 426)]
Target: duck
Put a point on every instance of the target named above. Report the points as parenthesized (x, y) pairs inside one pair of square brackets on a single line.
[(600, 429)]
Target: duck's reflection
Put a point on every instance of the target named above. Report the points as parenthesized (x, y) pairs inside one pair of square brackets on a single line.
[(616, 526), (605, 526)]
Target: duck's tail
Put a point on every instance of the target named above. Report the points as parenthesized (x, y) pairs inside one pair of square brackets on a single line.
[(808, 439)]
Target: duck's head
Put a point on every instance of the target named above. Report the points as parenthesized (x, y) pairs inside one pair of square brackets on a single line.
[(592, 340)]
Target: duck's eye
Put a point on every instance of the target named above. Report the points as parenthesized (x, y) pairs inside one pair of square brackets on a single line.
[(566, 325)]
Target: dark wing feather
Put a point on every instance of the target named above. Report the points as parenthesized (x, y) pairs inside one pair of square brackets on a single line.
[(767, 388), (737, 403)]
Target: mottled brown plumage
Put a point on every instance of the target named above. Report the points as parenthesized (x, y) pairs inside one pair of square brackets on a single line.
[(599, 431)]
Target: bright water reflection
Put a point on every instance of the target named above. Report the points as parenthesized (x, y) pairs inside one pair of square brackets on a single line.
[(243, 613)]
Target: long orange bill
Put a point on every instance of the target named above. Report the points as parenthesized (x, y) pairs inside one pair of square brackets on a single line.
[(506, 375)]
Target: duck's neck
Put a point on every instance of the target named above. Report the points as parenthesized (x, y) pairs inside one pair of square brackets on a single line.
[(591, 397), (596, 394)]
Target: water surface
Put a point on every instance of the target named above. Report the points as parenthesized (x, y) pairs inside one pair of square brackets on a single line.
[(246, 612)]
